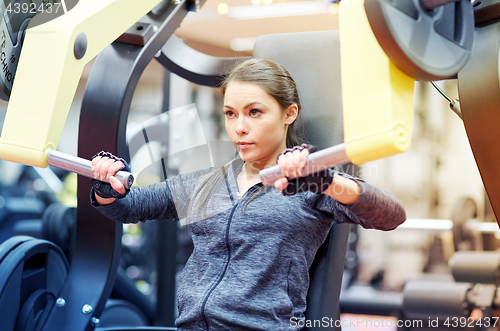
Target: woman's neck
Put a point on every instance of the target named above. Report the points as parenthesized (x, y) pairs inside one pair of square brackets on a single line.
[(252, 169)]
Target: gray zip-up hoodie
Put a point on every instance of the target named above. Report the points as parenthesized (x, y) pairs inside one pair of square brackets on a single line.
[(250, 271)]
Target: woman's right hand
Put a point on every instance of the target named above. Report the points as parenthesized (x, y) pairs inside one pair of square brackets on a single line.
[(106, 168)]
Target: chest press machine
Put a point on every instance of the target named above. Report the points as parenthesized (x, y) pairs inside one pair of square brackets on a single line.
[(39, 290)]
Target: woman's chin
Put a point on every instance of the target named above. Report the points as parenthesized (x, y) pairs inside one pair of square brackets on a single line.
[(245, 156)]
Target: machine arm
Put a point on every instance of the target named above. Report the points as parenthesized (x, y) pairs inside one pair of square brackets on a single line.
[(50, 66)]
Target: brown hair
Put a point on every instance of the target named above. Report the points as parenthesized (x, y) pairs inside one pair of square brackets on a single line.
[(278, 83)]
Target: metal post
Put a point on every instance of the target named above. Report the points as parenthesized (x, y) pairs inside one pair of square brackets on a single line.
[(167, 249)]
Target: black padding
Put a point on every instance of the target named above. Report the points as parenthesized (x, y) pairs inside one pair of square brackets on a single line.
[(370, 302), (121, 313), (313, 60), (429, 299), (476, 267)]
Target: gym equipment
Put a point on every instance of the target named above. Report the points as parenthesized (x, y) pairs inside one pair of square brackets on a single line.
[(16, 15), (102, 125), (454, 103), (387, 44), (476, 283), (476, 267), (14, 209), (479, 95), (463, 210), (33, 272), (83, 167), (72, 32), (365, 67), (120, 313), (425, 43), (486, 12), (367, 301), (444, 302), (59, 227), (424, 299)]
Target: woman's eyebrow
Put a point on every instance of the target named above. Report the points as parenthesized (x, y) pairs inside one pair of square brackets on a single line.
[(254, 103), (250, 104)]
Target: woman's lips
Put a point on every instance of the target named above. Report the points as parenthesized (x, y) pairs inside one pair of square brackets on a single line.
[(244, 146)]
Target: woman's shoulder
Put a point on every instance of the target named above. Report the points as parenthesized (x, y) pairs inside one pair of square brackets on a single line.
[(191, 179)]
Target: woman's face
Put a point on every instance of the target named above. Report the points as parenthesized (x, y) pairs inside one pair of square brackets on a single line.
[(256, 123)]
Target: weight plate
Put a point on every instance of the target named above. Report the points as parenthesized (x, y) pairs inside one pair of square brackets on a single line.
[(426, 45), (34, 310), (27, 266), (10, 244)]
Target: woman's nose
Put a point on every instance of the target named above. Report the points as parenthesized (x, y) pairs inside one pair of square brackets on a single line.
[(241, 126)]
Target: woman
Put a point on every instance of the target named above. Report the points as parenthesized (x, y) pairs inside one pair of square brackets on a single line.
[(253, 245)]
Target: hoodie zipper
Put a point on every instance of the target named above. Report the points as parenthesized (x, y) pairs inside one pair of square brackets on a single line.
[(228, 258)]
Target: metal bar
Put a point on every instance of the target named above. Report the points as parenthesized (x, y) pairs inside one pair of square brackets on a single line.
[(433, 4), (317, 161), (83, 167)]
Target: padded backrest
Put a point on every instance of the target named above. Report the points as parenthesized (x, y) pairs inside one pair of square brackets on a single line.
[(313, 60)]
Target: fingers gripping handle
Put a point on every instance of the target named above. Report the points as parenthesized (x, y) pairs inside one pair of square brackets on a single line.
[(317, 161), (83, 167)]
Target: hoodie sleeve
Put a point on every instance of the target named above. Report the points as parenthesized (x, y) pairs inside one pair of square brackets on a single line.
[(166, 200), (375, 209)]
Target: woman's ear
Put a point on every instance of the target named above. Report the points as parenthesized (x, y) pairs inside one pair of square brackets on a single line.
[(291, 113)]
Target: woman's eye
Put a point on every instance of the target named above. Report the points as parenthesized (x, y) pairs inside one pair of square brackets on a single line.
[(228, 113), (255, 111)]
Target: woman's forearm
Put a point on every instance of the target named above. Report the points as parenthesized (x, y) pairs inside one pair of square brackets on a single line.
[(344, 190), (103, 201), (374, 208)]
